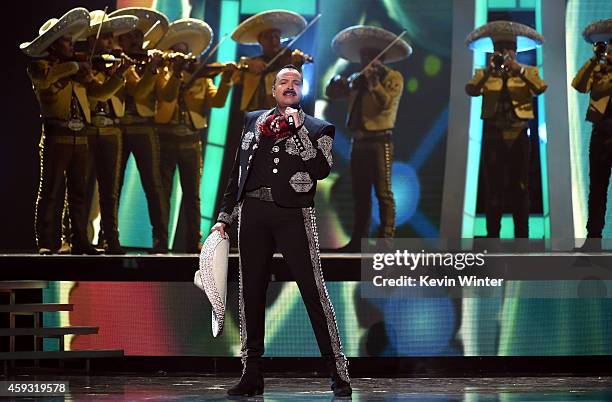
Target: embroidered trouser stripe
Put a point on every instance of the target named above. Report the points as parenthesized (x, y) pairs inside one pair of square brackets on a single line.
[(264, 228), (330, 315)]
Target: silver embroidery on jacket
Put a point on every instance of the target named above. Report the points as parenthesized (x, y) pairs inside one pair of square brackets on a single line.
[(301, 182), (325, 145), (246, 140), (313, 244)]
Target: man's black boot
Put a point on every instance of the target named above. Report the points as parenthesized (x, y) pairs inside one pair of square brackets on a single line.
[(340, 386), (251, 383)]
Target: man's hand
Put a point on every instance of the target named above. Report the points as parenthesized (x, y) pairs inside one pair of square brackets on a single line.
[(371, 74), (513, 66), (256, 66), (230, 72), (84, 74), (219, 227), (289, 111)]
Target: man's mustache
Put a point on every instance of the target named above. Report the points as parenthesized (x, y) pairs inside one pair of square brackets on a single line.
[(289, 91)]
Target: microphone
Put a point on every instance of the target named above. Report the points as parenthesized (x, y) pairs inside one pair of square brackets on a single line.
[(289, 110)]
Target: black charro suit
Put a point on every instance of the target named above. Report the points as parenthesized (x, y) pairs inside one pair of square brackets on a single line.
[(313, 157), (285, 222)]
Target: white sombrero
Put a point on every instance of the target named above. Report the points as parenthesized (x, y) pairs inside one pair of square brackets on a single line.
[(73, 23), (212, 277), (483, 38), (152, 23), (349, 42), (287, 22), (598, 31), (196, 33), (116, 25)]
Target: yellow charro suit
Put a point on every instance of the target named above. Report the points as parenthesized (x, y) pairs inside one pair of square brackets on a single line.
[(507, 105), (181, 113), (371, 118), (521, 90), (256, 88), (199, 98), (63, 149), (596, 79), (105, 151)]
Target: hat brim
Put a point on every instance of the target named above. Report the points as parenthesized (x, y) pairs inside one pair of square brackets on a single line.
[(212, 277), (483, 38), (73, 23), (349, 42), (152, 23), (195, 33), (116, 25), (287, 22), (598, 31)]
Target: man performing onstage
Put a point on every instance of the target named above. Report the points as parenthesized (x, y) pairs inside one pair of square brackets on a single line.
[(104, 133), (137, 126), (507, 89), (267, 29), (283, 153), (62, 86), (595, 77), (183, 103), (373, 102)]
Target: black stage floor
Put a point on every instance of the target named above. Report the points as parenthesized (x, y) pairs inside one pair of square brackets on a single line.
[(206, 388)]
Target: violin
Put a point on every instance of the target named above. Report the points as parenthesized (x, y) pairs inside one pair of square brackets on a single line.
[(210, 70), (285, 57)]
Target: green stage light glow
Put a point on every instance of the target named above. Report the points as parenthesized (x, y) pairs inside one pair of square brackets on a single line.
[(432, 65)]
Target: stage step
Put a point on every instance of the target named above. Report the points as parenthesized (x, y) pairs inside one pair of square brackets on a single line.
[(13, 285), (35, 307), (48, 331), (68, 354)]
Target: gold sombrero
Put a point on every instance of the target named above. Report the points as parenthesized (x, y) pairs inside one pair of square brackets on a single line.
[(73, 23), (484, 37), (196, 33), (349, 42), (116, 25), (598, 31), (287, 22), (152, 23)]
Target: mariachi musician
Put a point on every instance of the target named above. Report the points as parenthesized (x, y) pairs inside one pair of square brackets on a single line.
[(595, 78), (104, 132), (62, 84), (185, 93), (507, 89), (137, 125), (267, 29), (374, 95)]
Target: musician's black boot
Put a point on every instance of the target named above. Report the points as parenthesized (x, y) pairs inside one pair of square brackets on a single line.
[(341, 387), (251, 383)]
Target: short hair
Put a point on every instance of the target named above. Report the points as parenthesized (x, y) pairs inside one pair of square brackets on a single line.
[(288, 67)]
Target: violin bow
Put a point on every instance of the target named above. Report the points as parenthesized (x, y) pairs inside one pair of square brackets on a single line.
[(194, 76), (393, 42), (306, 28), (93, 48)]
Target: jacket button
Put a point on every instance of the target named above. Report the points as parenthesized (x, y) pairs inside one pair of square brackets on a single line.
[(276, 160), (275, 148), (250, 157), (254, 146), (275, 170)]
